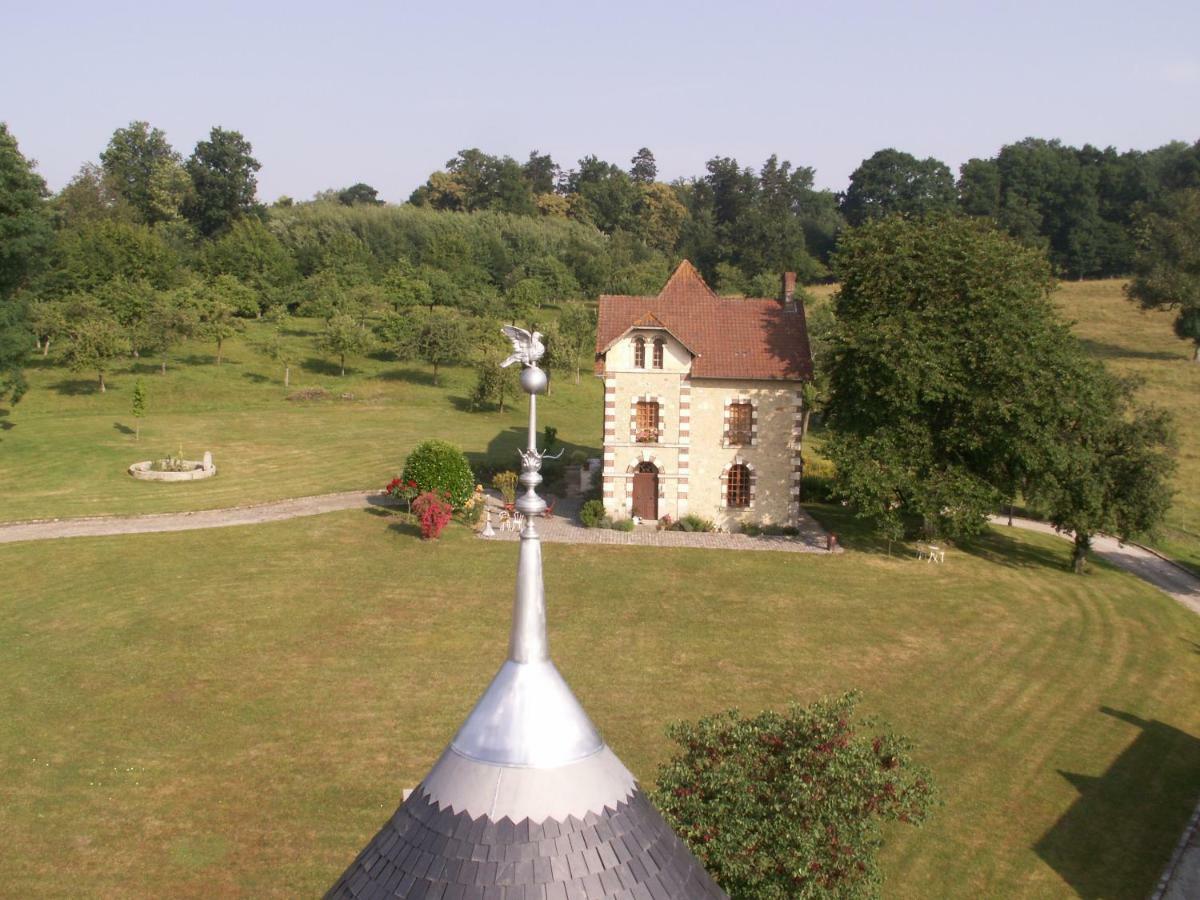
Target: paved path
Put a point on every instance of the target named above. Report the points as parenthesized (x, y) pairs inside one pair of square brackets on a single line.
[(563, 528), (187, 521), (1145, 564)]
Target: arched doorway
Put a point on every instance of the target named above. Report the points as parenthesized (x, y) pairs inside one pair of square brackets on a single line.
[(645, 491)]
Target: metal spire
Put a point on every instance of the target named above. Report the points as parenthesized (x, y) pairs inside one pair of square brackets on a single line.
[(528, 715)]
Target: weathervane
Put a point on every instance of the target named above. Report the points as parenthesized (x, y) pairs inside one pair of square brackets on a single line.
[(527, 350)]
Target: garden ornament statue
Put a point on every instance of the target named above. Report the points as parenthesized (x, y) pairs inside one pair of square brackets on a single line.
[(526, 771)]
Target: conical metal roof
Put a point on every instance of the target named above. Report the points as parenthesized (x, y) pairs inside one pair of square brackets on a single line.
[(527, 801)]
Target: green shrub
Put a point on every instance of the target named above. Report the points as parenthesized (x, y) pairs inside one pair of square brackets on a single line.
[(750, 529), (441, 468), (591, 514), (693, 522), (577, 458), (622, 525), (791, 804)]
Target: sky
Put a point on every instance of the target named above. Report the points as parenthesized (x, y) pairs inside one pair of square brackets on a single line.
[(330, 94)]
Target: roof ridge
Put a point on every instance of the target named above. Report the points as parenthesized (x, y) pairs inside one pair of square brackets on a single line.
[(684, 277)]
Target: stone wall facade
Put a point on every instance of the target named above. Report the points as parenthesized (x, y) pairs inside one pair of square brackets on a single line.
[(692, 450)]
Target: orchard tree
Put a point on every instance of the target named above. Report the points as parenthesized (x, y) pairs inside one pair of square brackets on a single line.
[(48, 320), (224, 183), (96, 340), (437, 336), (1167, 267), (493, 385), (24, 236), (280, 351), (943, 375), (146, 171), (174, 317), (138, 408), (576, 333), (217, 321), (791, 805), (344, 334), (891, 181)]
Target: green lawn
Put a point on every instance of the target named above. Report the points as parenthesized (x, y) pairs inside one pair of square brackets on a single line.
[(65, 447), (234, 712)]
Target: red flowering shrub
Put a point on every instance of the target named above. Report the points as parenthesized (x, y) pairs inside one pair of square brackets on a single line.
[(404, 491), (434, 512)]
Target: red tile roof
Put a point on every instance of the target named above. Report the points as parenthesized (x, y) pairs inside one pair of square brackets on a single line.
[(731, 337)]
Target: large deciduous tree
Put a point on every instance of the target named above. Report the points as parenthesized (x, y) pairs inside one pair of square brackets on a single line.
[(943, 376), (222, 170), (1167, 273), (24, 236), (146, 171), (791, 805), (891, 181), (1109, 464)]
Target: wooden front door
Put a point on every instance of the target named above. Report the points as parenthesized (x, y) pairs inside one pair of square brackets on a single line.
[(645, 491)]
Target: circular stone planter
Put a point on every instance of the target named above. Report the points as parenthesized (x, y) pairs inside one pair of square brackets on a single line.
[(197, 469)]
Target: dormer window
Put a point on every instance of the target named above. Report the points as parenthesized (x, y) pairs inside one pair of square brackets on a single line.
[(659, 343), (639, 353)]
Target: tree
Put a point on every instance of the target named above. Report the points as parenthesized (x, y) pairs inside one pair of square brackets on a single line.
[(89, 196), (223, 181), (95, 341), (359, 193), (576, 333), (24, 236), (815, 392), (943, 384), (492, 383), (791, 805), (344, 334), (217, 321), (643, 169), (173, 317), (146, 171), (138, 408), (251, 252), (48, 321), (130, 303), (1167, 267), (891, 181), (437, 336), (282, 353), (1110, 467)]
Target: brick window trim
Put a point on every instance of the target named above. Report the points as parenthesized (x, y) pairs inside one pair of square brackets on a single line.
[(726, 434), (753, 487), (633, 417)]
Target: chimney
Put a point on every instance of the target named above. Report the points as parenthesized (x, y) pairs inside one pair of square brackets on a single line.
[(789, 292)]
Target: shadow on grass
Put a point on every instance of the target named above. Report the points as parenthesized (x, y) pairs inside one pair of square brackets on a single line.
[(853, 533), (1005, 549), (76, 387), (318, 366), (1126, 812), (412, 376), (1114, 351), (6, 426), (123, 429), (256, 377), (406, 528)]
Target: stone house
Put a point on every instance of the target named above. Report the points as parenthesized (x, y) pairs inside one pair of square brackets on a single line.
[(702, 402)]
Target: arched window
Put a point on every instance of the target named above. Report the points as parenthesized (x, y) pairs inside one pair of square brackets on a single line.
[(737, 486), (658, 352), (639, 352)]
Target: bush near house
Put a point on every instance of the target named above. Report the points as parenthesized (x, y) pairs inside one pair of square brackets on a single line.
[(592, 515), (440, 467)]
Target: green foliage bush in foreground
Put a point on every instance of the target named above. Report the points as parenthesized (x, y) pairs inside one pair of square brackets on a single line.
[(591, 514), (440, 467), (693, 522), (789, 805)]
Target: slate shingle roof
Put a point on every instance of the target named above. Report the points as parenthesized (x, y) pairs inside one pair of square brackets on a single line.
[(428, 853), (732, 337)]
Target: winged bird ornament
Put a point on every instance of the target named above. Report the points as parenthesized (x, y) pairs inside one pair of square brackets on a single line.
[(527, 348)]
